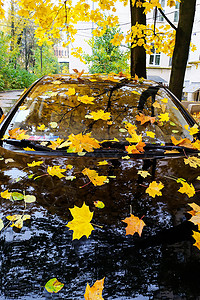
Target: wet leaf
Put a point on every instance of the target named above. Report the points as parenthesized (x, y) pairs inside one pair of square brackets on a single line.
[(35, 163), (182, 142), (154, 189), (70, 177), (122, 130), (103, 163), (192, 130), (164, 117), (53, 286), (187, 189), (17, 220), (56, 82), (17, 196), (29, 198), (144, 174), (29, 149), (94, 177), (99, 204), (86, 99), (125, 157), (81, 221), (9, 160), (6, 194), (18, 134), (56, 171), (150, 134), (1, 224), (41, 127), (81, 142), (193, 161), (196, 236), (144, 119), (134, 225), (94, 292), (53, 124), (100, 114)]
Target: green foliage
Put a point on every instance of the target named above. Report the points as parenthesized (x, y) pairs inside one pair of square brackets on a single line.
[(106, 57), (13, 74)]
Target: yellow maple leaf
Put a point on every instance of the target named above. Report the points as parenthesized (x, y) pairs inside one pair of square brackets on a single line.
[(187, 189), (82, 141), (164, 100), (156, 105), (35, 163), (86, 99), (164, 117), (182, 142), (196, 236), (6, 194), (41, 127), (196, 209), (192, 130), (193, 161), (144, 119), (154, 189), (134, 225), (94, 177), (81, 221), (150, 134), (55, 144), (18, 134), (56, 171), (94, 292), (100, 114)]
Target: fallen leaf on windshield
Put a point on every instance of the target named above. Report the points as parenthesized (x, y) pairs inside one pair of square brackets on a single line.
[(164, 100), (144, 174), (94, 177), (154, 189), (24, 107), (78, 73), (82, 141), (1, 224), (144, 119), (55, 144), (196, 236), (6, 194), (196, 209), (41, 127), (81, 221), (187, 189), (28, 149), (150, 134), (53, 286), (17, 196), (136, 149), (35, 163), (134, 225), (182, 142), (164, 117), (18, 134), (18, 220), (56, 171), (156, 105), (100, 114), (94, 292), (86, 100), (193, 161), (192, 130)]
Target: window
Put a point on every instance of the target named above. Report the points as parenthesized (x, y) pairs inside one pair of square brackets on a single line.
[(176, 12), (159, 16), (154, 58)]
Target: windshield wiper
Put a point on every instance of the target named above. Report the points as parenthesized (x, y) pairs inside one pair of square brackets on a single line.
[(26, 143)]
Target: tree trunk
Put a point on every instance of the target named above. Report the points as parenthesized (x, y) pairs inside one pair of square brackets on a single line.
[(138, 54), (182, 46)]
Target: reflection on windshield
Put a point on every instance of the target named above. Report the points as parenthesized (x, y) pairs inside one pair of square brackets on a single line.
[(56, 109)]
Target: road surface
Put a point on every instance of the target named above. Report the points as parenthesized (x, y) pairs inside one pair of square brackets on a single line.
[(8, 98)]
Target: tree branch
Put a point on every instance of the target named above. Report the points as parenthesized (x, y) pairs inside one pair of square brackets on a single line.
[(168, 21)]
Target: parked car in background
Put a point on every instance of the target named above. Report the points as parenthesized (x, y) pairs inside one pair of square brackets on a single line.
[(97, 174)]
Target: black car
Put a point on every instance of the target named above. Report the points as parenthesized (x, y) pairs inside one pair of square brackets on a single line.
[(98, 150)]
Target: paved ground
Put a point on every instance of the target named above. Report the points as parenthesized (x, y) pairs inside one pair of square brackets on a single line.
[(8, 98)]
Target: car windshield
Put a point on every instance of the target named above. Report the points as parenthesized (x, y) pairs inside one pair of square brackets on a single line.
[(104, 109)]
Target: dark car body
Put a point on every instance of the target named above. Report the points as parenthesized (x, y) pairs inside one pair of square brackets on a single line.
[(162, 263)]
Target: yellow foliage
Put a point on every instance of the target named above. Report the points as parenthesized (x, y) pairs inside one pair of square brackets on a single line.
[(81, 221), (82, 141), (56, 171), (94, 177), (187, 188), (154, 189), (94, 292), (134, 225)]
